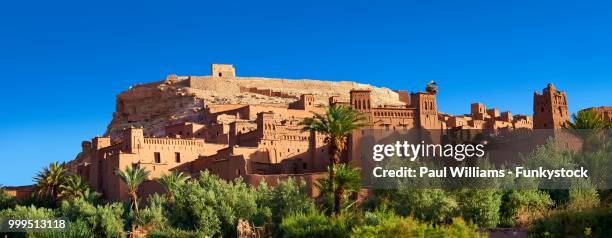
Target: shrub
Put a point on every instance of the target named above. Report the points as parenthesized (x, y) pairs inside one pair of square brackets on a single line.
[(314, 225), (480, 206), (6, 200), (104, 220), (582, 198), (26, 212), (396, 226), (521, 207), (154, 214), (211, 205), (431, 205), (174, 233), (288, 197), (76, 229), (572, 223)]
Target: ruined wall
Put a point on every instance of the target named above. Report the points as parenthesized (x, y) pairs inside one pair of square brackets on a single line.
[(604, 112), (550, 109)]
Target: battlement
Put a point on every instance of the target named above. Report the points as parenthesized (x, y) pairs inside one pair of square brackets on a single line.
[(550, 108)]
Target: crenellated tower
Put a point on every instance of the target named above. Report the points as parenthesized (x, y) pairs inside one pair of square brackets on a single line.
[(427, 109), (550, 109)]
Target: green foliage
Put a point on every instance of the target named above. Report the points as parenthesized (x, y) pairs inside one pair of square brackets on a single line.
[(104, 220), (348, 178), (132, 177), (74, 187), (430, 205), (574, 223), (27, 212), (6, 200), (175, 233), (287, 198), (438, 206), (396, 226), (588, 119), (521, 207), (597, 161), (154, 214), (337, 122), (347, 182), (77, 229), (172, 180), (211, 205), (315, 225), (480, 206), (48, 182), (582, 198), (52, 184), (372, 224)]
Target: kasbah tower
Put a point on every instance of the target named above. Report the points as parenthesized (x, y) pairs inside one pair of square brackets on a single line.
[(249, 127)]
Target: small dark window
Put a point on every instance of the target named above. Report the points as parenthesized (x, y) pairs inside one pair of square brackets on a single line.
[(304, 165), (220, 75), (237, 172), (177, 157), (542, 109), (157, 157)]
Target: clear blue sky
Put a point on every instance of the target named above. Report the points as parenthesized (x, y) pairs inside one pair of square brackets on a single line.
[(62, 63)]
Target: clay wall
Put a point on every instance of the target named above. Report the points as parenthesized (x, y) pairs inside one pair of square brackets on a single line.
[(550, 109), (604, 112), (225, 71), (19, 192)]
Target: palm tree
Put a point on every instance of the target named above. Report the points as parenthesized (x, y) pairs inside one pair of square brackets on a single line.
[(588, 119), (591, 127), (171, 181), (346, 182), (74, 187), (336, 124), (133, 177), (49, 180)]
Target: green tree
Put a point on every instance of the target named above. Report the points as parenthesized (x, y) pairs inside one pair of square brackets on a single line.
[(74, 187), (154, 214), (101, 220), (521, 207), (588, 119), (133, 177), (592, 128), (212, 206), (430, 205), (171, 181), (286, 198), (336, 124), (481, 206), (346, 182), (49, 180)]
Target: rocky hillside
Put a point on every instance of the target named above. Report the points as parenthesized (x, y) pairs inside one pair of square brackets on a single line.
[(182, 98)]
